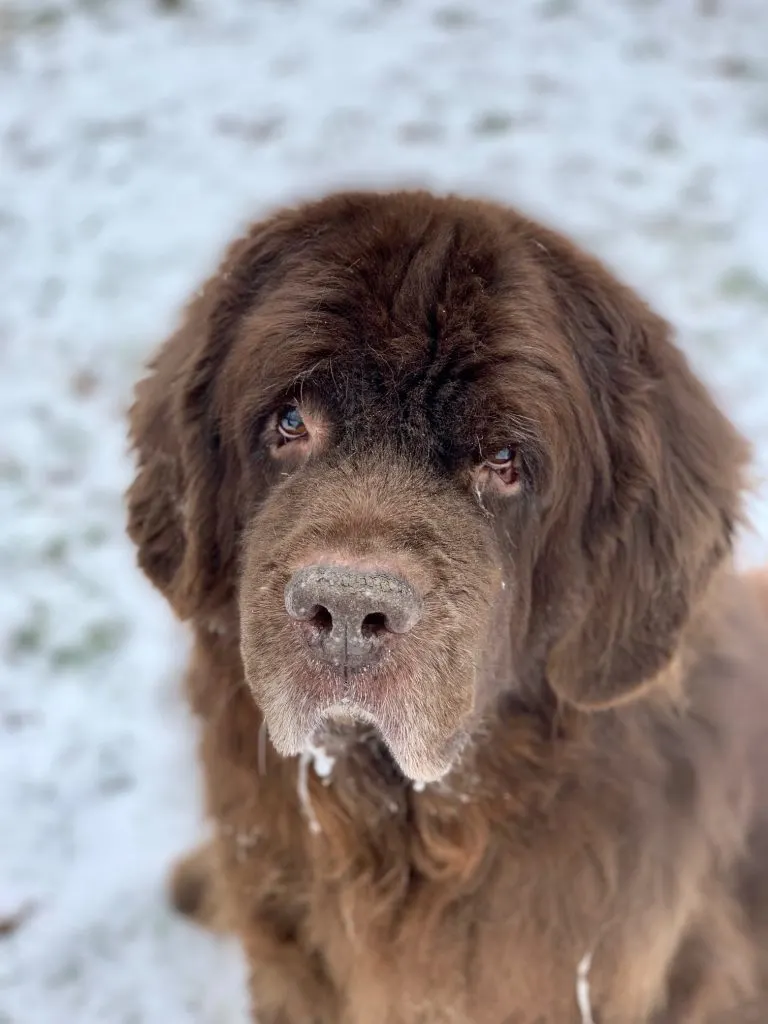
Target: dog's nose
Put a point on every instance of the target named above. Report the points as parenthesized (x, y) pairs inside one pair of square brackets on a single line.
[(349, 613)]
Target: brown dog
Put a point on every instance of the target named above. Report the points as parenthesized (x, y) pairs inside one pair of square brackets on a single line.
[(483, 703)]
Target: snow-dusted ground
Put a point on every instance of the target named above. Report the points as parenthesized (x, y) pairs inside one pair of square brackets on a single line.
[(136, 137)]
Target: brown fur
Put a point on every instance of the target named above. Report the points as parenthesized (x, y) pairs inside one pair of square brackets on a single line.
[(586, 688), (759, 581)]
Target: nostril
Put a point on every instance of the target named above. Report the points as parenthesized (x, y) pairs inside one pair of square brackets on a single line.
[(374, 625), (321, 619)]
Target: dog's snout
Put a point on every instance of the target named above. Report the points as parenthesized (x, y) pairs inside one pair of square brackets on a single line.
[(350, 612)]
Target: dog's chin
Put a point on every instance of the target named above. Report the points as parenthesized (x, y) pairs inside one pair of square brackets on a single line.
[(422, 758)]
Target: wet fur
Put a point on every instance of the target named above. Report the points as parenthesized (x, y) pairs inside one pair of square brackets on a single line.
[(588, 684)]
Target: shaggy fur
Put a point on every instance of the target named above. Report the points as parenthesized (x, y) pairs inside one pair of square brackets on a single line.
[(544, 804)]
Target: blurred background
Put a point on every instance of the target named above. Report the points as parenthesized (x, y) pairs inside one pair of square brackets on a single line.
[(137, 136)]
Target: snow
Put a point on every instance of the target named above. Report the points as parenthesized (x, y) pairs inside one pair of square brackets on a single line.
[(583, 996), (137, 136), (316, 757)]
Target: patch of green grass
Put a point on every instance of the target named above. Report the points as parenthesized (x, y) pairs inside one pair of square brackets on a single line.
[(46, 18), (56, 551), (11, 471), (558, 8), (95, 536), (453, 17), (759, 116), (16, 18), (493, 122), (663, 141), (744, 283), (630, 177), (420, 131), (709, 342), (647, 48), (94, 6), (99, 640), (739, 68), (31, 636)]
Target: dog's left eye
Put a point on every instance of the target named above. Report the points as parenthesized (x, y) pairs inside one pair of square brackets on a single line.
[(505, 465), (290, 424), (502, 458)]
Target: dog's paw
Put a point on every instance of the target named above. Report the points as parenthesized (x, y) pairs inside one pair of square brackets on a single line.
[(194, 890)]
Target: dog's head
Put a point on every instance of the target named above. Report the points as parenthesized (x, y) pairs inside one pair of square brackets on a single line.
[(430, 452)]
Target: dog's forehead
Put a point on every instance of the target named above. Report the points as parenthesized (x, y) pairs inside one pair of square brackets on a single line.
[(399, 296), (409, 276), (407, 323), (407, 357), (431, 331)]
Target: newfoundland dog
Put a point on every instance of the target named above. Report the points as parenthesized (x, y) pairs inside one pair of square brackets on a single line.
[(483, 703)]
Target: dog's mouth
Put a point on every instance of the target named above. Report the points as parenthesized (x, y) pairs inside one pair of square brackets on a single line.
[(420, 763), (423, 746)]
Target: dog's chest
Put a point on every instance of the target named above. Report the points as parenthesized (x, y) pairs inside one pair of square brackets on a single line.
[(442, 906), (423, 915), (469, 967), (485, 958)]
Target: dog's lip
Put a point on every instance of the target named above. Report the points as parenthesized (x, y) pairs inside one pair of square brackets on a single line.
[(349, 713), (423, 755)]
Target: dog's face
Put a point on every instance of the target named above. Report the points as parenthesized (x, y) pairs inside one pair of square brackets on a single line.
[(431, 453)]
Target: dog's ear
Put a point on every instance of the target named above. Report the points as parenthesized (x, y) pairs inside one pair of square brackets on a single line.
[(182, 504), (666, 493)]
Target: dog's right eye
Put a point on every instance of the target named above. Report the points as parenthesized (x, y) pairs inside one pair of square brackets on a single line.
[(290, 424)]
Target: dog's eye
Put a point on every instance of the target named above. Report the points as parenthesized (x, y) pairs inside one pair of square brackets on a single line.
[(290, 424), (505, 464), (502, 458)]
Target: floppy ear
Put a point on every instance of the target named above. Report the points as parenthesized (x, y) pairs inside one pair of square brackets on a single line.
[(662, 516), (182, 505)]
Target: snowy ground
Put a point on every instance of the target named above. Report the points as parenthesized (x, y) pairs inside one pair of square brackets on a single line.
[(136, 137)]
